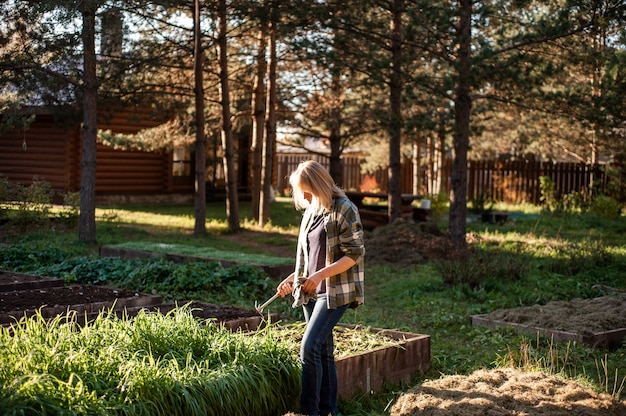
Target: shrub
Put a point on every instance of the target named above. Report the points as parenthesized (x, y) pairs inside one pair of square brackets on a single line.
[(605, 207), (474, 269)]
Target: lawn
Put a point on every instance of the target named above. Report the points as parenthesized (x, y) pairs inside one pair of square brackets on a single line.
[(533, 258)]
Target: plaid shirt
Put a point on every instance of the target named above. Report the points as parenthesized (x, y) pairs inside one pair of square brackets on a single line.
[(344, 237)]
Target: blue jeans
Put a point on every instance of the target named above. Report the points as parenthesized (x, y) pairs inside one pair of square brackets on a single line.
[(319, 375)]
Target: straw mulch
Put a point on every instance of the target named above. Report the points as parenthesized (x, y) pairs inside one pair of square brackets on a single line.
[(505, 391)]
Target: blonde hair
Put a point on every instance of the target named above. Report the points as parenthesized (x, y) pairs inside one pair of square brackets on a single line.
[(316, 180)]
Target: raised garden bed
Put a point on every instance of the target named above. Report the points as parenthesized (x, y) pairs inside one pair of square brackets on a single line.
[(51, 297), (174, 254), (83, 299), (598, 322), (405, 356), (367, 359), (10, 281), (397, 363)]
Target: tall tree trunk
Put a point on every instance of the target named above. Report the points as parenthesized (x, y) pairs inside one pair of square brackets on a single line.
[(395, 118), (335, 168), (417, 171), (441, 155), (258, 120), (232, 200), (199, 228), (430, 149), (87, 218), (270, 135), (462, 110)]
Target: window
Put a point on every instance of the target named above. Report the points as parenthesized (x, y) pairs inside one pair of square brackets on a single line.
[(181, 162)]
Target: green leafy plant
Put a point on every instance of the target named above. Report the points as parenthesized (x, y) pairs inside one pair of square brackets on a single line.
[(547, 188), (605, 207), (153, 364), (482, 203)]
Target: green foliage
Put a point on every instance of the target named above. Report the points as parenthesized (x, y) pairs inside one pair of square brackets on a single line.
[(548, 192), (172, 280), (479, 268), (603, 203), (152, 364), (482, 203), (4, 196), (33, 202), (28, 258), (585, 257), (567, 204), (439, 204), (32, 205), (605, 207), (613, 185)]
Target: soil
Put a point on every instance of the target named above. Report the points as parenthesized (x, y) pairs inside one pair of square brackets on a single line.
[(403, 244), (581, 316), (21, 300), (503, 392)]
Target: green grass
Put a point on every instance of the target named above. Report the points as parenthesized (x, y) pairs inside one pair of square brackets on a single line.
[(532, 259), (206, 252), (152, 364)]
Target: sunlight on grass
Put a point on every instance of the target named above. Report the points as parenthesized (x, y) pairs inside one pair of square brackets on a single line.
[(284, 218), (206, 252), (146, 218)]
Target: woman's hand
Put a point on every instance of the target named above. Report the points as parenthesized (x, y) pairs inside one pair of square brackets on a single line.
[(312, 282), (340, 266), (286, 286)]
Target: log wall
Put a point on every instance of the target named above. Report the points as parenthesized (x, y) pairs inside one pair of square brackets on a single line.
[(45, 151), (53, 153)]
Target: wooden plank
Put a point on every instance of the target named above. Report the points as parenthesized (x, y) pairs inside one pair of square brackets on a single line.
[(599, 339), (372, 370)]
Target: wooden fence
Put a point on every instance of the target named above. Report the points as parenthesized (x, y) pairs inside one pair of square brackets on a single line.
[(518, 181), (509, 181)]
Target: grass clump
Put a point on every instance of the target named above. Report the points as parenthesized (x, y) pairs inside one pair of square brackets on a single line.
[(153, 364)]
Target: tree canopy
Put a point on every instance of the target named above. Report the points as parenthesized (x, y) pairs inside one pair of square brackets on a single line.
[(415, 78)]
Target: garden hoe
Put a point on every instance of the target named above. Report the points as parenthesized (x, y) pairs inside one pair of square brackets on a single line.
[(260, 308)]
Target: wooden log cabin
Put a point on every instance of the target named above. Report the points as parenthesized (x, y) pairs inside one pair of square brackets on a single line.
[(52, 151)]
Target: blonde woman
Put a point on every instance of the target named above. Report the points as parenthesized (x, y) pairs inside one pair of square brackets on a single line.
[(327, 280)]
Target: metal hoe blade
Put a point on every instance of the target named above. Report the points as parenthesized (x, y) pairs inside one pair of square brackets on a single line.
[(259, 308)]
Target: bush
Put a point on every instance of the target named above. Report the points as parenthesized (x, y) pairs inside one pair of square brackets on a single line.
[(28, 205), (605, 207), (474, 269)]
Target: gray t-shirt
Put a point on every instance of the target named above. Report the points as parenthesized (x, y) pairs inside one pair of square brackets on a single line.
[(317, 249)]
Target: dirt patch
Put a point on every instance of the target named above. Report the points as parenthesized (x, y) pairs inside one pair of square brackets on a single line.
[(404, 243), (505, 392), (581, 316), (22, 300)]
